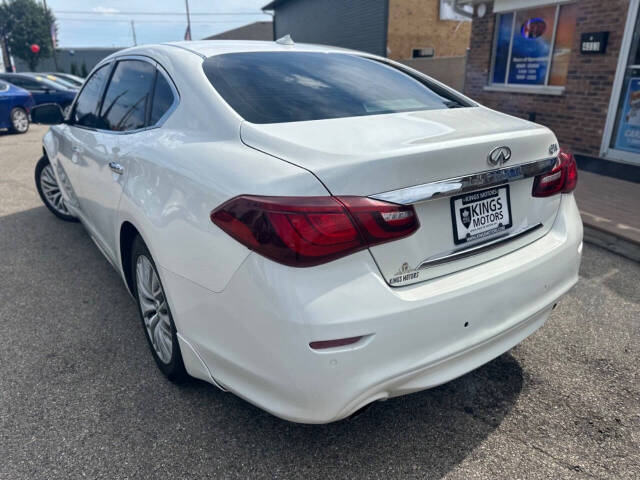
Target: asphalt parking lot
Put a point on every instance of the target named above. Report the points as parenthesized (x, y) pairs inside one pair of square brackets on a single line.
[(80, 395)]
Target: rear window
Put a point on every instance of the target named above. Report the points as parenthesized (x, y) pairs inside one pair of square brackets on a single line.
[(3, 86), (277, 87)]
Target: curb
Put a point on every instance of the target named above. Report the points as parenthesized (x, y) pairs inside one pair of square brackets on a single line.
[(612, 242)]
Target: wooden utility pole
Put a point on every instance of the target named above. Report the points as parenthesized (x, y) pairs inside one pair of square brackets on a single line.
[(133, 31), (6, 56), (187, 35), (4, 46), (52, 30)]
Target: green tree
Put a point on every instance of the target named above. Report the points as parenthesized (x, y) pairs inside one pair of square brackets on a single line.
[(24, 23)]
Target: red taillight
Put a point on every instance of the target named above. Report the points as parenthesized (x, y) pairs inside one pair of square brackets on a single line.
[(379, 221), (562, 179), (305, 231)]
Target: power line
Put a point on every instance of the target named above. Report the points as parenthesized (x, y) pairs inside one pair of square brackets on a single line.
[(181, 22), (84, 12)]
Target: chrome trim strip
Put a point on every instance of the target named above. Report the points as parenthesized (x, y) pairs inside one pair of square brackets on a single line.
[(454, 186), (476, 250)]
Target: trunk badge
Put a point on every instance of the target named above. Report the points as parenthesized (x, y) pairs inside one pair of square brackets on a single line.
[(499, 155), (404, 274)]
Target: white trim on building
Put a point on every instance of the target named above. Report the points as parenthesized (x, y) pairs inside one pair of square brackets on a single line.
[(606, 151), (510, 5)]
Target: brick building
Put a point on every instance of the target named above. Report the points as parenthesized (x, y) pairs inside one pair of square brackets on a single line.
[(573, 65), (399, 29)]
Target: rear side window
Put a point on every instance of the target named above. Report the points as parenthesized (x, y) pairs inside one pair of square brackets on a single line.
[(128, 96), (162, 99), (276, 87), (3, 86), (87, 103)]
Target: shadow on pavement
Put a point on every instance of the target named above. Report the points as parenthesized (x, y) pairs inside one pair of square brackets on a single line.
[(77, 378)]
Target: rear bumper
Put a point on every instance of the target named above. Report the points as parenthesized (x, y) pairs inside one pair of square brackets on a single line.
[(254, 336)]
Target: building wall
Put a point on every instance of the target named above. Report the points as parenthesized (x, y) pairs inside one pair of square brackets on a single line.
[(253, 31), (577, 116), (67, 56), (357, 24), (417, 24), (448, 70)]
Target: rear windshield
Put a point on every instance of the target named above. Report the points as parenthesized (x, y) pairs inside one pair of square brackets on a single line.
[(277, 87)]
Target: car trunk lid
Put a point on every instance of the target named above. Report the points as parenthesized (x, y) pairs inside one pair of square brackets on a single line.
[(378, 155)]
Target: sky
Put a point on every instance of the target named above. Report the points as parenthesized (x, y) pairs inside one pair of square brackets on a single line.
[(107, 23)]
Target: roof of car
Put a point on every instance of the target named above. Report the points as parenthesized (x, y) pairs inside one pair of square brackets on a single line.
[(208, 48), (7, 76)]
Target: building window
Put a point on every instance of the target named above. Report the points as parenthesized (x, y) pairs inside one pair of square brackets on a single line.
[(533, 46)]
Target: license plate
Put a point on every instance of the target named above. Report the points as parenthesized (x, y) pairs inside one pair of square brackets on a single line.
[(481, 215)]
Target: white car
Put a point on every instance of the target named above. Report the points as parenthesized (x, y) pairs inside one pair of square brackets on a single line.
[(312, 228)]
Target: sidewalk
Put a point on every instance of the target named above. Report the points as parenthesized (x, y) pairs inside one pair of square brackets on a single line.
[(610, 210)]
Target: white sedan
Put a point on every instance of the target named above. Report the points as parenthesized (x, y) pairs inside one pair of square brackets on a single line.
[(312, 228)]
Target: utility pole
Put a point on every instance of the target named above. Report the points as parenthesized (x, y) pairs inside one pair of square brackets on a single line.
[(187, 35), (52, 32), (133, 31), (6, 55)]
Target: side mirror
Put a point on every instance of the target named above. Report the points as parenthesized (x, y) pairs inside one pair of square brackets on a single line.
[(47, 114)]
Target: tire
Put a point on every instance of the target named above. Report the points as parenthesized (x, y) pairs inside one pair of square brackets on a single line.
[(170, 363), (19, 120), (46, 184)]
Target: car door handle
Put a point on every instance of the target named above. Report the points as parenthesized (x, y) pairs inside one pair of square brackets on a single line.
[(116, 168), (76, 149)]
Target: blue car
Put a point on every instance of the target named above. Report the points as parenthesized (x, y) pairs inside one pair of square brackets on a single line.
[(42, 89), (15, 104)]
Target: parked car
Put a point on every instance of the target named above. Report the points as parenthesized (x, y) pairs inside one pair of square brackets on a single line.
[(53, 78), (42, 90), (15, 105), (73, 79), (313, 228)]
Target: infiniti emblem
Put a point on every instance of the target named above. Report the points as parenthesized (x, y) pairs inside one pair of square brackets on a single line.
[(499, 155)]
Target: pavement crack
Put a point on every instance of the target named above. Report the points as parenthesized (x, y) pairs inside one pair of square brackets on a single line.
[(558, 461)]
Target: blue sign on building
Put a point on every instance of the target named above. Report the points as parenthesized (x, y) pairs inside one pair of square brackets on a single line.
[(629, 128)]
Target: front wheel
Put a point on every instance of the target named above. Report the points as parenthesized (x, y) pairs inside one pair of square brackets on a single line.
[(155, 313), (19, 120), (50, 192)]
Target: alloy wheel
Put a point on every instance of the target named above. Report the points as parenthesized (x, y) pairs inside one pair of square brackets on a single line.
[(51, 190), (19, 120), (153, 305)]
